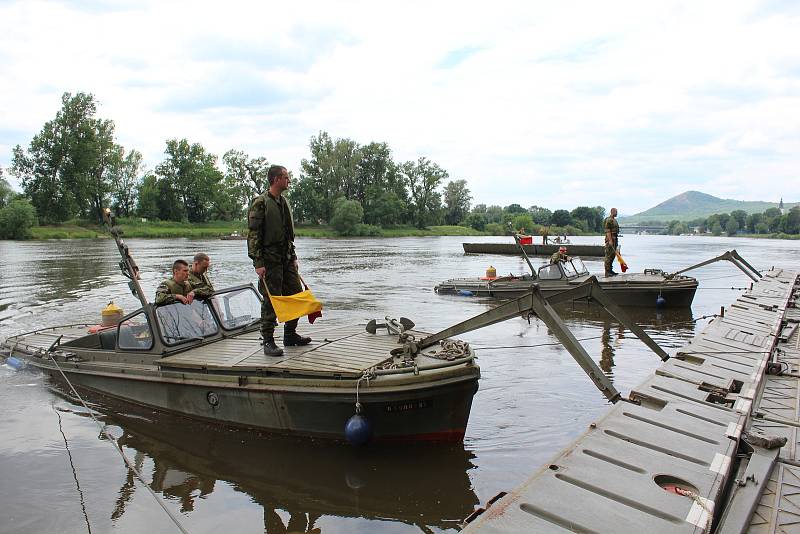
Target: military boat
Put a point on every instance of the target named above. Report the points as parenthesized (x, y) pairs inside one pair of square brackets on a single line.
[(628, 289), (205, 360), (532, 249)]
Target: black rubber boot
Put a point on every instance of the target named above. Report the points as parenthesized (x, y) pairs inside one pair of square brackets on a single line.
[(293, 339), (270, 348)]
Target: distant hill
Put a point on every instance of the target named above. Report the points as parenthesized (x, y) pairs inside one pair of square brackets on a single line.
[(694, 204)]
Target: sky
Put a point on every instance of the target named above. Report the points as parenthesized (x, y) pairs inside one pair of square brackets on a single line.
[(555, 104)]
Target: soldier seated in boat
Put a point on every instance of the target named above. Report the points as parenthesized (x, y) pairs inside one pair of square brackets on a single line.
[(560, 255), (198, 276), (177, 288)]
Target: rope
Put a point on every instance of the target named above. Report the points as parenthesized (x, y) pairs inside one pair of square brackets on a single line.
[(116, 446), (696, 498), (452, 349), (74, 472), (368, 375)]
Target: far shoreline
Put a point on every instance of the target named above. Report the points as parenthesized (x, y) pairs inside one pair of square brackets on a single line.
[(219, 229)]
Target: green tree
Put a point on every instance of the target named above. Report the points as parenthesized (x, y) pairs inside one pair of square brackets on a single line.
[(762, 228), (753, 220), (330, 173), (741, 217), (522, 221), (540, 215), (245, 177), (716, 228), (191, 174), (347, 215), (6, 192), (731, 226), (379, 186), (586, 214), (456, 201), (422, 179), (476, 221), (17, 219), (561, 218), (125, 180), (792, 223), (66, 170), (494, 214), (147, 197)]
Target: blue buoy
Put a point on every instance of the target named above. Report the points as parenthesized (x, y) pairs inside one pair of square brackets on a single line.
[(15, 363), (358, 430), (660, 302), (465, 293)]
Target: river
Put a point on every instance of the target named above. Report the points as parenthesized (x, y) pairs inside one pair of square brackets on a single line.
[(59, 474)]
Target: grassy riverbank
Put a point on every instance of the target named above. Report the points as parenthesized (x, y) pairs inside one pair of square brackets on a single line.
[(161, 229)]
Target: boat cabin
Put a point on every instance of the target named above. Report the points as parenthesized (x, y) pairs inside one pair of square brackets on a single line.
[(566, 270), (175, 327)]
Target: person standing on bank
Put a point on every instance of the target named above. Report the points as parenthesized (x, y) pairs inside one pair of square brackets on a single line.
[(270, 244), (198, 277), (611, 229)]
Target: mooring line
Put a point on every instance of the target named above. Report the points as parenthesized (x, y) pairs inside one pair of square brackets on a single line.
[(115, 444), (74, 472)]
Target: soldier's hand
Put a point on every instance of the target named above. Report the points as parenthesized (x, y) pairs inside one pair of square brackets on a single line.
[(261, 272), (190, 297)]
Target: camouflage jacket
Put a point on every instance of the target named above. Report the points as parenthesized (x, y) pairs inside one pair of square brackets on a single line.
[(610, 225), (557, 257), (270, 236), (166, 291), (201, 285)]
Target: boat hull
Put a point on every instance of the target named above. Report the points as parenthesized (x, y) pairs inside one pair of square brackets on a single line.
[(623, 290), (532, 250), (431, 410)]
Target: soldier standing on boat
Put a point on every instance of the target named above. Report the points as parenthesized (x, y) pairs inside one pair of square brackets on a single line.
[(198, 276), (270, 244), (611, 229), (177, 288)]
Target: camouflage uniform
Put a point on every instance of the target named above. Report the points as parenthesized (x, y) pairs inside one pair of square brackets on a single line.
[(557, 257), (270, 244), (166, 291), (201, 285), (610, 225)]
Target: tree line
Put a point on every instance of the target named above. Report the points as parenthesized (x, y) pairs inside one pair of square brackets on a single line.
[(74, 167), (770, 221)]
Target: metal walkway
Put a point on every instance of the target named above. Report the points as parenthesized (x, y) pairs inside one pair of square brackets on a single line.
[(664, 463)]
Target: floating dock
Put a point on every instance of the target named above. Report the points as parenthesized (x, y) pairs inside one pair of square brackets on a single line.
[(698, 447)]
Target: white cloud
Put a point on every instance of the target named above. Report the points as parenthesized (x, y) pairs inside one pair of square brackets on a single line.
[(622, 103)]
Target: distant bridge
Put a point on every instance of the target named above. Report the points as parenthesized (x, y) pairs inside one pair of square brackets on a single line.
[(642, 228)]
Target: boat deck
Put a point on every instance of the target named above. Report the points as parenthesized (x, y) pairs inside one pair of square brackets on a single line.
[(661, 465), (345, 351)]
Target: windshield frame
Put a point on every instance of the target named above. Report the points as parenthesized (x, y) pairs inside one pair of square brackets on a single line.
[(219, 302)]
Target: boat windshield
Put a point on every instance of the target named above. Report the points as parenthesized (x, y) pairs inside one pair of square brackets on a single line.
[(569, 270), (183, 322), (550, 272), (579, 266), (237, 308)]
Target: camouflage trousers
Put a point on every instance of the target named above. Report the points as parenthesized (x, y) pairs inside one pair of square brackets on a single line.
[(610, 254), (281, 279)]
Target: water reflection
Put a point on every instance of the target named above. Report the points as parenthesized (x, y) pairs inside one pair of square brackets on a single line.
[(301, 479)]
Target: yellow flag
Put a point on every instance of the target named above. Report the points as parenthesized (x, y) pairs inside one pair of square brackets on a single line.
[(288, 307)]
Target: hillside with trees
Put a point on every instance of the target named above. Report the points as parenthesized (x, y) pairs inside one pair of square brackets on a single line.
[(693, 205)]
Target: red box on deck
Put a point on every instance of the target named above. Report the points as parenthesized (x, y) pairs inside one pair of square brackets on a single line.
[(526, 240)]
